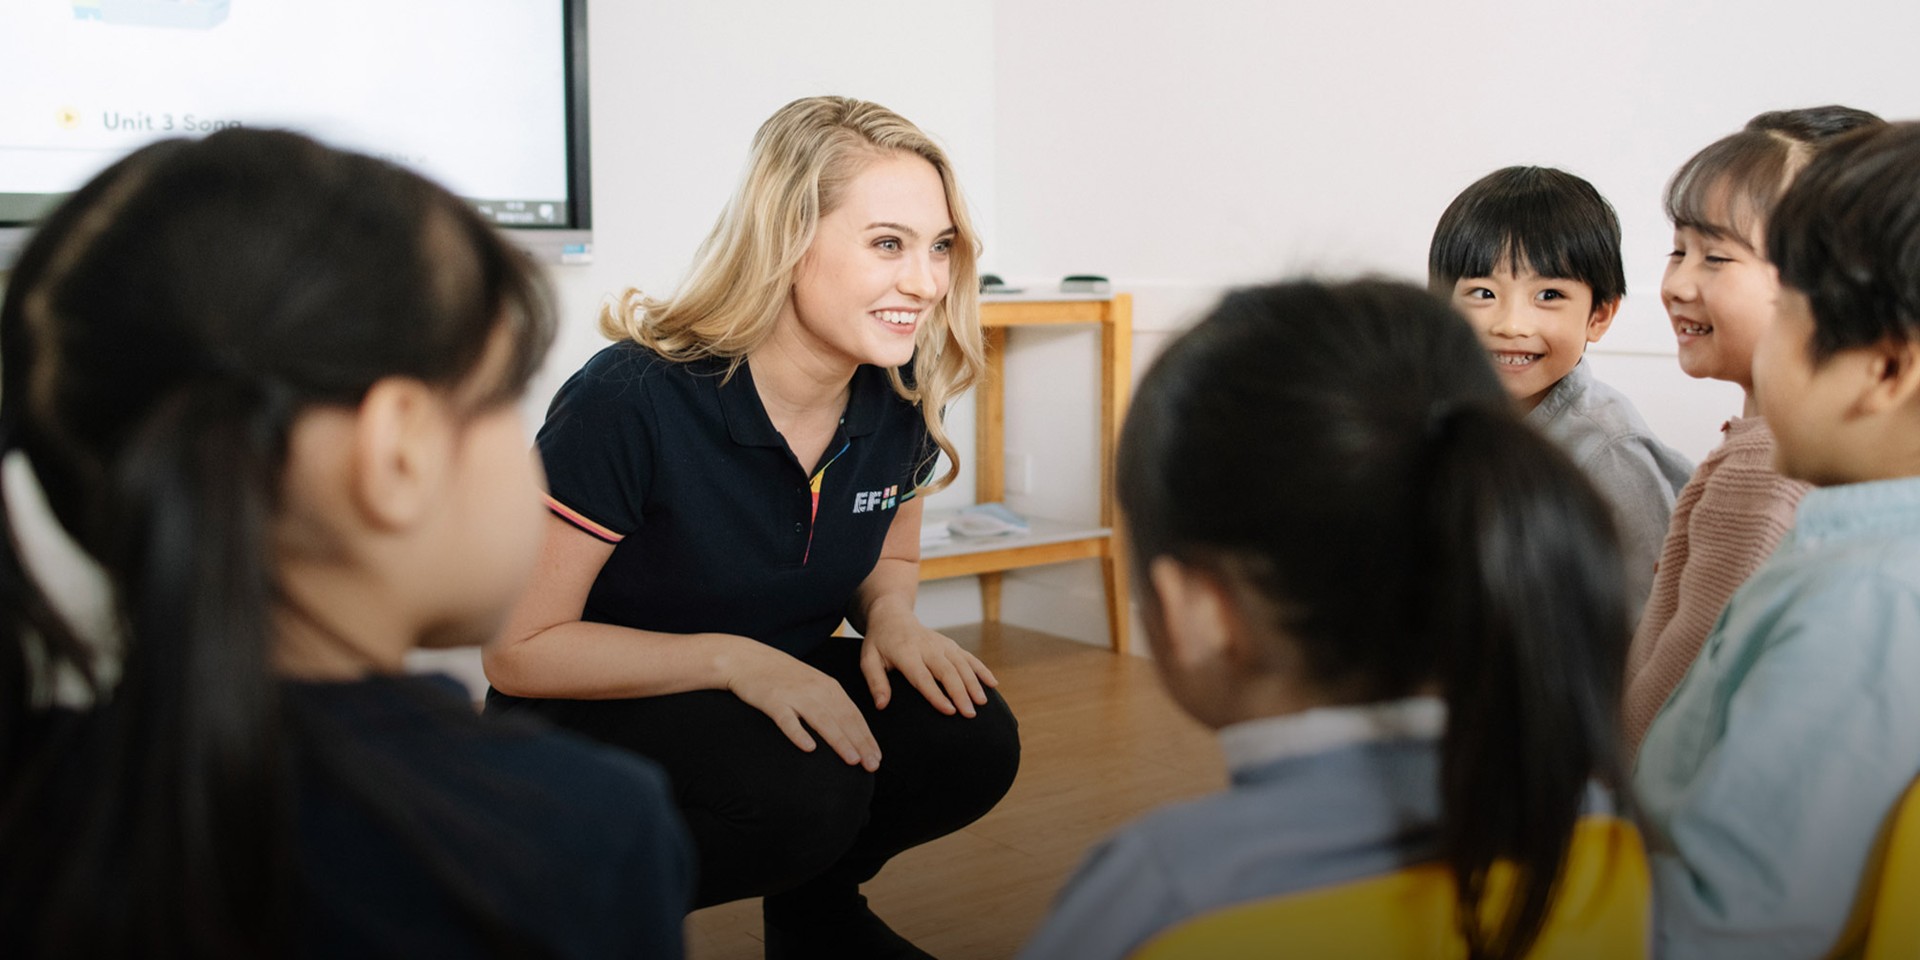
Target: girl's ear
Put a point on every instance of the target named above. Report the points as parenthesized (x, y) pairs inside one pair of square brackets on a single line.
[(1197, 617), (402, 441), (1601, 319)]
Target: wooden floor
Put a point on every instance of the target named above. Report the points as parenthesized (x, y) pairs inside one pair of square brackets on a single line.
[(1101, 744)]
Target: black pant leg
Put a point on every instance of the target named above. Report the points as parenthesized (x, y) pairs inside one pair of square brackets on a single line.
[(764, 814), (768, 817), (937, 774)]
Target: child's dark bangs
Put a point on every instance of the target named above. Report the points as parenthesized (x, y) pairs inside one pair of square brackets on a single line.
[(1534, 221), (1565, 230), (1562, 244), (1480, 249), (1467, 246), (1727, 190), (1543, 249)]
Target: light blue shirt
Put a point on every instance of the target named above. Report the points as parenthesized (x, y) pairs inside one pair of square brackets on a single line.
[(1767, 775), (1640, 477), (1318, 798)]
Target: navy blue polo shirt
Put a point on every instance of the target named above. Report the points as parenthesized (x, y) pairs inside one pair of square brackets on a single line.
[(716, 527)]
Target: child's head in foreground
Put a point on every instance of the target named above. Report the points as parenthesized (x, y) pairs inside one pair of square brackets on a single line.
[(1838, 371), (1531, 257), (268, 387), (1719, 284), (189, 337), (1331, 501)]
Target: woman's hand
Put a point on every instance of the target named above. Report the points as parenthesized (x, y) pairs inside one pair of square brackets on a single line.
[(797, 696), (951, 679)]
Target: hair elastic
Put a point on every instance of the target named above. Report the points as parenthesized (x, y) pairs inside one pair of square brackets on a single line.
[(73, 582)]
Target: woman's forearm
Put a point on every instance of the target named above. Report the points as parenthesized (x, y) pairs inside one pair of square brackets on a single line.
[(580, 660), (890, 590)]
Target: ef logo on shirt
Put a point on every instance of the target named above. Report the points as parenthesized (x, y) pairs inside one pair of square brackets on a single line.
[(871, 500)]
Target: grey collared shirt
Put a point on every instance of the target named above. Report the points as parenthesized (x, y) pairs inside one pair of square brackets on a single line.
[(1638, 475), (1318, 798)]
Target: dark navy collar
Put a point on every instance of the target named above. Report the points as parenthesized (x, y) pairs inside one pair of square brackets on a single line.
[(747, 420)]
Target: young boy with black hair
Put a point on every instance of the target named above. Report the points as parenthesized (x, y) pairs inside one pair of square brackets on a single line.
[(1531, 257), (1768, 774)]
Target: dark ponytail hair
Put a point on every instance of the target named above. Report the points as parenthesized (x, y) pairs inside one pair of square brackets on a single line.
[(1405, 530), (159, 335)]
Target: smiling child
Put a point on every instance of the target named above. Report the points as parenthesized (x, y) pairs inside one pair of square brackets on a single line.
[(1719, 291), (1531, 257)]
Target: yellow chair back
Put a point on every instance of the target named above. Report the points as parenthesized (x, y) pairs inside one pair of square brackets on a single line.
[(1886, 920), (1600, 912)]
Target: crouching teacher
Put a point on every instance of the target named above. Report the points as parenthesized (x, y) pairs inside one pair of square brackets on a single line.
[(744, 468)]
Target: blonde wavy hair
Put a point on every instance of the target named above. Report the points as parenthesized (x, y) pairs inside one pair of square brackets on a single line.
[(802, 159)]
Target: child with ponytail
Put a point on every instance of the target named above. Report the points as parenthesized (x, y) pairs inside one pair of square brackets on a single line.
[(267, 389), (1403, 617), (1719, 290)]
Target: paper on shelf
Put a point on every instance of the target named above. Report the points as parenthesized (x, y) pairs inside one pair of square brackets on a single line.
[(988, 520)]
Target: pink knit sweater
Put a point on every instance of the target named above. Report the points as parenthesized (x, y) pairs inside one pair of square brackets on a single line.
[(1727, 521)]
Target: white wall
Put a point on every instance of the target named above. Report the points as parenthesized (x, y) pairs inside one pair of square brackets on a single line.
[(1182, 148)]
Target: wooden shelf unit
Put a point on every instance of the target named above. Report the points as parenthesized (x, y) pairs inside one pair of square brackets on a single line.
[(1049, 541)]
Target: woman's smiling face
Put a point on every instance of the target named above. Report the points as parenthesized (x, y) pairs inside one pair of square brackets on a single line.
[(879, 262)]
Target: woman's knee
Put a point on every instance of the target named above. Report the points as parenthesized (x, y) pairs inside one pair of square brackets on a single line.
[(974, 756), (995, 750), (991, 746)]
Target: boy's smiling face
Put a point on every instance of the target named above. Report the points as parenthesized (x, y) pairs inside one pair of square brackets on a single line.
[(1535, 328)]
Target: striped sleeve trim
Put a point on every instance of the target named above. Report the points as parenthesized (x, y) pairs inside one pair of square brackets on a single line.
[(578, 519)]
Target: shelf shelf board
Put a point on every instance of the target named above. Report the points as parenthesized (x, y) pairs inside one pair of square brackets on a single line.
[(1039, 295), (1021, 311), (1048, 541)]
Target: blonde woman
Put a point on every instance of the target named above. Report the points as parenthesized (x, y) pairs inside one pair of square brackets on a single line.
[(742, 469)]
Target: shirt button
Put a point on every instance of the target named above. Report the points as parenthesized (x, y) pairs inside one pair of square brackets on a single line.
[(798, 527)]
